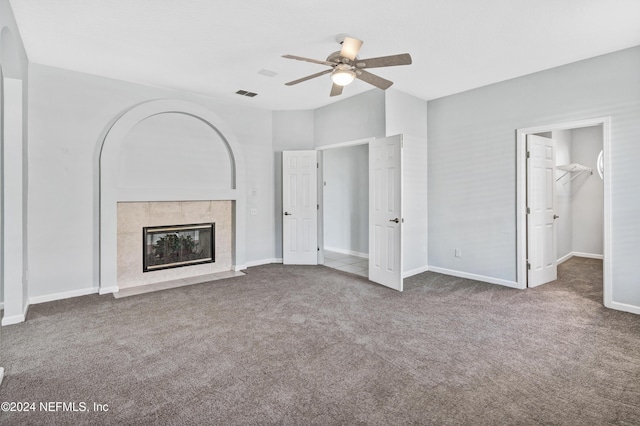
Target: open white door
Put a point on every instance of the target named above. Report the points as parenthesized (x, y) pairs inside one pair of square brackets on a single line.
[(541, 230), (385, 211), (299, 208)]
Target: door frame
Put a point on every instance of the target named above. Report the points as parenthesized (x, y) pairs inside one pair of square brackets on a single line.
[(320, 149), (521, 198)]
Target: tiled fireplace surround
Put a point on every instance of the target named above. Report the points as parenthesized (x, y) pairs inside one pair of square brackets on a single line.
[(133, 216)]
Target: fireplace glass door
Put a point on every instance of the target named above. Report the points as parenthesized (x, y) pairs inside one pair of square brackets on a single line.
[(178, 245)]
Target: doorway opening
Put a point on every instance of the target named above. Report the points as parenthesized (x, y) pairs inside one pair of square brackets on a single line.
[(303, 219), (571, 217), (344, 186)]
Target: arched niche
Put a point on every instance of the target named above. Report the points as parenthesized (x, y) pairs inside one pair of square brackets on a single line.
[(175, 150), (157, 136)]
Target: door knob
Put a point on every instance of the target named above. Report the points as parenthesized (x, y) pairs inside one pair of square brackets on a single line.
[(287, 214), (555, 216), (396, 220)]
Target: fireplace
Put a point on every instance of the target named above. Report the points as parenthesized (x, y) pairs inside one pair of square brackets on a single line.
[(174, 246)]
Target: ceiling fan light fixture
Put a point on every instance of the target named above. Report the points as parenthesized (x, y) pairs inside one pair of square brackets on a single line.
[(343, 75)]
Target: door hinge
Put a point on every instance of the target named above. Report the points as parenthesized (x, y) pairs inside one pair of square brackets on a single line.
[(528, 154), (317, 165), (528, 210), (318, 206), (318, 248), (528, 266)]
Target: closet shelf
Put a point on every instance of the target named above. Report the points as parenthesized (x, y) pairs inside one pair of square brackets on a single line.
[(576, 168)]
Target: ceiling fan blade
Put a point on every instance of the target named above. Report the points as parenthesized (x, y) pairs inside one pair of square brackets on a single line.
[(384, 61), (336, 90), (309, 77), (314, 61), (373, 79), (350, 48)]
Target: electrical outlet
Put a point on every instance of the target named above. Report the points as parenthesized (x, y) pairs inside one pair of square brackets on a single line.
[(458, 252), (254, 212)]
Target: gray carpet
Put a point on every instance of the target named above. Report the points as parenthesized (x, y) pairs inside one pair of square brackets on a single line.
[(312, 345)]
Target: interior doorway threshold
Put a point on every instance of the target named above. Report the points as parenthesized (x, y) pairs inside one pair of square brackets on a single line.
[(148, 288)]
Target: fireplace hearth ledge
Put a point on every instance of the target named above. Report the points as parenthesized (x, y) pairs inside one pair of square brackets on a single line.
[(165, 285)]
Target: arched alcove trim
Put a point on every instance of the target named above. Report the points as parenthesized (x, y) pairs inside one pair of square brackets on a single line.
[(110, 194)]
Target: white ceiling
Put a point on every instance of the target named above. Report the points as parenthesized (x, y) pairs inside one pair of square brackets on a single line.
[(216, 47)]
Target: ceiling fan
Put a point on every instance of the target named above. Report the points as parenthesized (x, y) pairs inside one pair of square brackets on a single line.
[(346, 66)]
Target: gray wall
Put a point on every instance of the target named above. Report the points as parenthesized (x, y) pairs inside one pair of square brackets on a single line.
[(346, 198), (579, 202), (358, 117), (472, 163), (588, 192), (69, 113)]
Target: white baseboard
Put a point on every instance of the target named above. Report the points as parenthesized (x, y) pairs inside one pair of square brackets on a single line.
[(579, 254), (64, 295), (588, 255), (625, 307), (475, 277), (108, 290), (16, 319), (349, 252), (564, 258), (260, 262), (415, 271)]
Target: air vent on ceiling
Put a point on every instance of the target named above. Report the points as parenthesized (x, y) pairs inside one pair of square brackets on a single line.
[(267, 73), (245, 93)]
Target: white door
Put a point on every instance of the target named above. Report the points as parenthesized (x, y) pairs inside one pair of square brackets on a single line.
[(299, 208), (385, 211), (541, 230)]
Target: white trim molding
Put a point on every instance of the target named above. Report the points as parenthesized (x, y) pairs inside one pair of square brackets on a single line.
[(475, 277), (260, 262), (345, 144), (108, 290), (63, 295), (415, 271), (348, 252), (16, 319), (579, 254), (625, 307)]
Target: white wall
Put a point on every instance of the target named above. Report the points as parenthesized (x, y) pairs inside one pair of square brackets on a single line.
[(346, 198), (407, 115), (588, 197), (564, 201), (69, 114), (472, 163)]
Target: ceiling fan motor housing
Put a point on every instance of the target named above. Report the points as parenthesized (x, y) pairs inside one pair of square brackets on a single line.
[(345, 66)]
